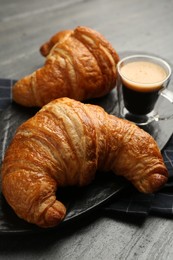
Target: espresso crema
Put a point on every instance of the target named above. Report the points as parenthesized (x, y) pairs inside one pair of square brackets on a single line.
[(143, 75)]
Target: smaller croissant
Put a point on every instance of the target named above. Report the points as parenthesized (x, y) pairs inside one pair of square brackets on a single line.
[(80, 64), (64, 144)]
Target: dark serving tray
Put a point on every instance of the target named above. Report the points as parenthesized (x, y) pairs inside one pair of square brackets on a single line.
[(79, 201)]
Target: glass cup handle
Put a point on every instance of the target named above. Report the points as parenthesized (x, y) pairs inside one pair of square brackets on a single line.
[(167, 94)]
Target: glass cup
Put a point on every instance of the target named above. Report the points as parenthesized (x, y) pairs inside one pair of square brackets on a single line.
[(142, 80)]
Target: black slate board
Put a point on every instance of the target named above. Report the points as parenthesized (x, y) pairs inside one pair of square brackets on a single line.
[(78, 201)]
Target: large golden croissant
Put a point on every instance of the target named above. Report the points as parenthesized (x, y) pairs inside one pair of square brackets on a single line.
[(65, 143), (81, 64)]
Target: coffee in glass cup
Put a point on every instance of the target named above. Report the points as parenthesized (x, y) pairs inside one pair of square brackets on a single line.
[(141, 80)]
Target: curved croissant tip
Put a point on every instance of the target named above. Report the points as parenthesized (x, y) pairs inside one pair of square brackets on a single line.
[(22, 93), (153, 183), (53, 215), (45, 49)]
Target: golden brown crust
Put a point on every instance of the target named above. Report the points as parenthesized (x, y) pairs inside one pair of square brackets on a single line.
[(80, 64), (64, 144), (58, 37)]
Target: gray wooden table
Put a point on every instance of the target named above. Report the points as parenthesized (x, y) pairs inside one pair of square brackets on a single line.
[(140, 26)]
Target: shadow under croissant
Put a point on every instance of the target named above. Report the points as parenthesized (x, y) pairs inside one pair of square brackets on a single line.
[(80, 202)]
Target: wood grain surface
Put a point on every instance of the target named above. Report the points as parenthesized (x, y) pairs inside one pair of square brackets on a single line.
[(140, 26)]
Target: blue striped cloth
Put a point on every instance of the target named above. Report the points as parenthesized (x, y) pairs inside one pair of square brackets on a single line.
[(131, 201), (5, 92)]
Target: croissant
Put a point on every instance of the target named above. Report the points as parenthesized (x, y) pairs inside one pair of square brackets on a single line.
[(64, 144), (80, 64)]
